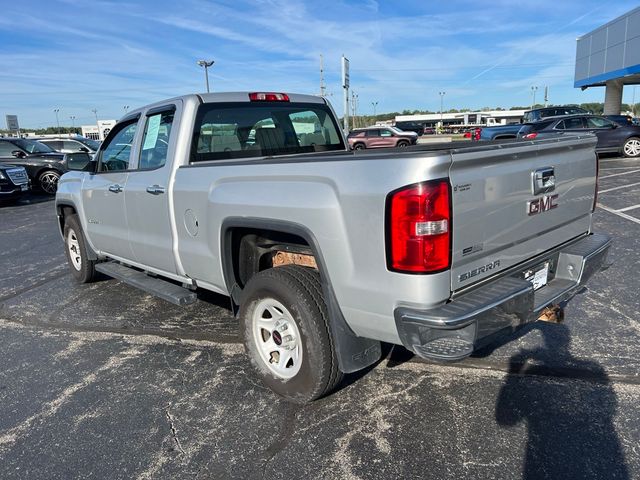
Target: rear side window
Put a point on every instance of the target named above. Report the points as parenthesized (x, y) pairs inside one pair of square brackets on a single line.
[(570, 124), (155, 142), (534, 127), (243, 130)]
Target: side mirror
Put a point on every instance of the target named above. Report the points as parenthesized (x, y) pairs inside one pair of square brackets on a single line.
[(81, 162), (18, 154), (614, 125), (84, 149)]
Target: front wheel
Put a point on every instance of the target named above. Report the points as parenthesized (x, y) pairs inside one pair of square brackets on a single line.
[(82, 269), (285, 327), (48, 181), (631, 147), (402, 144)]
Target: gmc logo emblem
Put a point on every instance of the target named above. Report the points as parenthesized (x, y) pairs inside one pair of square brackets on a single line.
[(542, 204)]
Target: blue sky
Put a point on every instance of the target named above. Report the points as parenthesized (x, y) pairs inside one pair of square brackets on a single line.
[(77, 55)]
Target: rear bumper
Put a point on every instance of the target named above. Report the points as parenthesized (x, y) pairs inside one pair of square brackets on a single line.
[(470, 321)]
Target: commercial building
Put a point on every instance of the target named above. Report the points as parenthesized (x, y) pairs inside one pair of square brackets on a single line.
[(98, 131), (609, 57), (462, 119)]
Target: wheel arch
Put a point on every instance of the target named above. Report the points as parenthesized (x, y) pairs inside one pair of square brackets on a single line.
[(354, 353), (64, 210)]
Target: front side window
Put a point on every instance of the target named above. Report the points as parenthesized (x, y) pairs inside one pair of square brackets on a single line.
[(72, 145), (386, 133), (155, 142), (247, 129), (115, 155), (597, 122), (570, 124)]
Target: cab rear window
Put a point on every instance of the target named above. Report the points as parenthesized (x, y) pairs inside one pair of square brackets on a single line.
[(243, 130)]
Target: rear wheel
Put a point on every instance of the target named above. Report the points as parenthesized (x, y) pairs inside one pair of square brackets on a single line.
[(402, 144), (631, 147), (285, 327), (82, 269), (48, 181), (359, 146)]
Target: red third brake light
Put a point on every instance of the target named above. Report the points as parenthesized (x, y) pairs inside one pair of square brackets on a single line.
[(419, 228), (268, 97)]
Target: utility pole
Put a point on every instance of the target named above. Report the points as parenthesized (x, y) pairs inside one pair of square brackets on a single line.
[(57, 120), (533, 93), (345, 87), (442, 94), (323, 87), (546, 95), (206, 64)]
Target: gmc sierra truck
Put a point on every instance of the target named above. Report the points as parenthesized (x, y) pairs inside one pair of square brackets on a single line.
[(326, 252)]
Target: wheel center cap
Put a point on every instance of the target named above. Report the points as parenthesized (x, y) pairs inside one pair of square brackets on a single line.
[(277, 338)]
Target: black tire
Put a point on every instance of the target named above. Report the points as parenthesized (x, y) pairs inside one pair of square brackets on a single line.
[(402, 144), (359, 146), (299, 290), (631, 147), (82, 269), (48, 181)]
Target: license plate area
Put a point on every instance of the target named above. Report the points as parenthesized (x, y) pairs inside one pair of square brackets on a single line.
[(538, 275)]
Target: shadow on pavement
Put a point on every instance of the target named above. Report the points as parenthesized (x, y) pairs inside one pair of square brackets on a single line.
[(570, 425)]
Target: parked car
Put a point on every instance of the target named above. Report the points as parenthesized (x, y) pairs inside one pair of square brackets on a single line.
[(620, 119), (539, 113), (14, 182), (379, 137), (44, 165), (326, 252), (73, 144), (501, 132), (415, 127), (612, 137), (429, 131)]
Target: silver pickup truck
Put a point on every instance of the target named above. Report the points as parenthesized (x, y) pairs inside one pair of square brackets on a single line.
[(326, 252)]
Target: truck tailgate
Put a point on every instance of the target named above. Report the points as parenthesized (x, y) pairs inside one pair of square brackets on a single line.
[(506, 209)]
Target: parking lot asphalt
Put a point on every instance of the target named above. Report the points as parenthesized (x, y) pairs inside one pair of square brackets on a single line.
[(105, 381)]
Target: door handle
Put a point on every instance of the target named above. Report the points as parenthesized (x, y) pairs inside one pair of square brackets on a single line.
[(115, 188), (155, 189)]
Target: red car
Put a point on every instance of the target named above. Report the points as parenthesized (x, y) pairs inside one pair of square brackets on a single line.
[(379, 137)]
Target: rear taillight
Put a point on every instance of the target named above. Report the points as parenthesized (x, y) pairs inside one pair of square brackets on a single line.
[(268, 97), (531, 135), (419, 228), (595, 195)]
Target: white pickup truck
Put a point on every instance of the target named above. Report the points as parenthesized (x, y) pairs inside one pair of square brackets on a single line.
[(326, 252)]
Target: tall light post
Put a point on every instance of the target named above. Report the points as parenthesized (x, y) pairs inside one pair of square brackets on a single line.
[(442, 94), (73, 122), (126, 109), (56, 111), (95, 112), (206, 64), (374, 105), (533, 94)]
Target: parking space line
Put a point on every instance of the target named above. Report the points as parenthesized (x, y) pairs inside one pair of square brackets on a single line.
[(618, 188), (623, 215), (628, 208), (618, 174), (618, 168)]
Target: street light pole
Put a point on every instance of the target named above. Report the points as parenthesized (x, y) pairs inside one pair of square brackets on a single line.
[(125, 108), (73, 123), (374, 105), (533, 92), (95, 112), (206, 64), (56, 110), (442, 94)]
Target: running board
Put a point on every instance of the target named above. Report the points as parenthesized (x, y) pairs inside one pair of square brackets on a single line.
[(155, 286)]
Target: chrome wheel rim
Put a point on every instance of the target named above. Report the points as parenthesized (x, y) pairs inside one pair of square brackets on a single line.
[(73, 246), (49, 182), (632, 148), (277, 338)]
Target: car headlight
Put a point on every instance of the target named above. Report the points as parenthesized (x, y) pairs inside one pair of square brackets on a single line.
[(2, 177)]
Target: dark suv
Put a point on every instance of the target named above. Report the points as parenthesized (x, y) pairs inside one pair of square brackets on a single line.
[(410, 127), (612, 137), (44, 165), (73, 144), (539, 113)]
